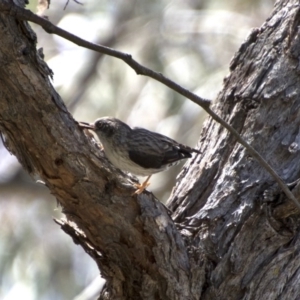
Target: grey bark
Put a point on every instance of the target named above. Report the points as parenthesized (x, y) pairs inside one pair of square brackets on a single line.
[(238, 216), (233, 235)]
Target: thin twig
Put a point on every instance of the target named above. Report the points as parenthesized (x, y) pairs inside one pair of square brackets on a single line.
[(67, 3), (24, 14)]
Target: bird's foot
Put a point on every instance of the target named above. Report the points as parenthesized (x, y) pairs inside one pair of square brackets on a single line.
[(141, 187)]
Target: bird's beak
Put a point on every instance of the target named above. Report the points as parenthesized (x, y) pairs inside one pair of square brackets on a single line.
[(86, 125)]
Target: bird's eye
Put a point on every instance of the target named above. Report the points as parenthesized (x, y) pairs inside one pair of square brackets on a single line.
[(99, 125), (105, 128)]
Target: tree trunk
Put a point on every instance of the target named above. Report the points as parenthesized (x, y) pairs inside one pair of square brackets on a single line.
[(238, 218), (236, 233)]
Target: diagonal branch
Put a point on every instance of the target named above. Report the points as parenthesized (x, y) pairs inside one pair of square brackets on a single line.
[(24, 14)]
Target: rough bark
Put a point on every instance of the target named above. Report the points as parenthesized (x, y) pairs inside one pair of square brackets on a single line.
[(132, 239), (237, 236), (237, 215)]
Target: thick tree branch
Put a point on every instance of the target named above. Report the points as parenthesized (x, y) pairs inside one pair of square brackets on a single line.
[(132, 239)]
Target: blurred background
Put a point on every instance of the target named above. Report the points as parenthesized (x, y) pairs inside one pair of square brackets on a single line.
[(190, 41)]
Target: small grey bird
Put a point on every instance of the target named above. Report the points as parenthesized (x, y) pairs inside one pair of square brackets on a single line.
[(137, 150)]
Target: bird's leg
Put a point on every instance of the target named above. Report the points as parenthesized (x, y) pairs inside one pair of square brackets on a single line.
[(142, 186)]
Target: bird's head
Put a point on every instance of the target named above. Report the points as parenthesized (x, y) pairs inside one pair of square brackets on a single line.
[(106, 127)]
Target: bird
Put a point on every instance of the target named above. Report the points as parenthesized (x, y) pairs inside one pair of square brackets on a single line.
[(137, 150)]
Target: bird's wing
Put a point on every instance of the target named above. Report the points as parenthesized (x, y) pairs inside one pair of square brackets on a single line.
[(147, 161), (153, 150)]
